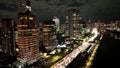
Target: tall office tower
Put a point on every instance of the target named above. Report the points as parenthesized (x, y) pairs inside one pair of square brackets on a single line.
[(57, 23), (49, 34), (28, 34), (0, 37), (72, 23), (41, 34), (117, 25), (7, 36)]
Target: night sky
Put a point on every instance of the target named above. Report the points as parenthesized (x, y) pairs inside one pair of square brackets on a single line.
[(104, 10)]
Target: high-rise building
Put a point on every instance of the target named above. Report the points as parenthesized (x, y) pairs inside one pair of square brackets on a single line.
[(57, 23), (49, 34), (117, 25), (41, 33), (7, 36), (28, 34), (0, 37), (72, 23)]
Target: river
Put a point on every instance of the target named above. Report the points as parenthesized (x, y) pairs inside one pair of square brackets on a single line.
[(107, 56)]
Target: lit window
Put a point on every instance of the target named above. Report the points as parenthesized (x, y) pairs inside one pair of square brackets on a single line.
[(25, 17), (21, 17), (31, 18), (74, 14), (67, 17), (74, 19)]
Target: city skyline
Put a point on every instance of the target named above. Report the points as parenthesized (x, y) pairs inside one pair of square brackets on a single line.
[(44, 9), (25, 43)]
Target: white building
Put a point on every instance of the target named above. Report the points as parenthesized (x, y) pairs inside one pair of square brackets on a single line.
[(57, 23)]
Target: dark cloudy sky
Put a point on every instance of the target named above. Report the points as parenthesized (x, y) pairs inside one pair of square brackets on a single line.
[(46, 9)]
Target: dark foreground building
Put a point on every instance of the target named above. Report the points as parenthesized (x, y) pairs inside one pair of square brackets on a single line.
[(7, 42), (7, 36)]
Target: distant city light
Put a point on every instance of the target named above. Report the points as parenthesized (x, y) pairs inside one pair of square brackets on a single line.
[(61, 45)]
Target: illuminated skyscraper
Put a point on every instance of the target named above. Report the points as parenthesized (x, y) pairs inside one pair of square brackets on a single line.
[(28, 34), (49, 35), (57, 23), (73, 23), (7, 36)]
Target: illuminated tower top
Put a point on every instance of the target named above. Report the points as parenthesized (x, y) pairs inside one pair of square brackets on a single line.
[(28, 5), (25, 7)]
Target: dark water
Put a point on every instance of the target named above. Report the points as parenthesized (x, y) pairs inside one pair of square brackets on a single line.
[(107, 56)]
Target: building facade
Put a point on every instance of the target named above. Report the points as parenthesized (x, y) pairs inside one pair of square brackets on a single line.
[(57, 23), (72, 23), (7, 36), (28, 34), (49, 35)]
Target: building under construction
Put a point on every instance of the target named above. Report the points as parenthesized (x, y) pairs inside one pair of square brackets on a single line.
[(28, 34)]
